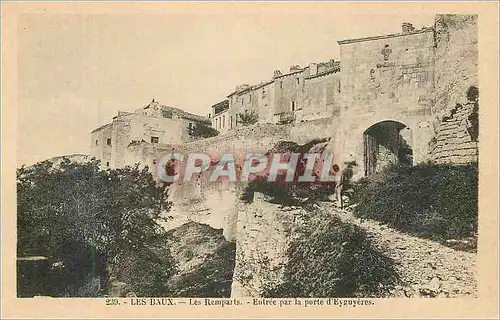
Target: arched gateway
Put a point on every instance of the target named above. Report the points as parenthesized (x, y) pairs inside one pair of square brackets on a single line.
[(385, 143)]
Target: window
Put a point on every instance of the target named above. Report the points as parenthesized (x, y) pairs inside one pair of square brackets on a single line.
[(96, 143), (242, 100), (293, 105), (190, 126), (224, 121), (108, 141), (281, 84), (155, 139), (230, 122), (298, 80), (107, 164), (250, 98)]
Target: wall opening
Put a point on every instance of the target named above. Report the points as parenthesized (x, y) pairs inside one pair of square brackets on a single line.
[(387, 143)]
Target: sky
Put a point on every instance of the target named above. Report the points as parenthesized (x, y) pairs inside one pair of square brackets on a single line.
[(76, 71)]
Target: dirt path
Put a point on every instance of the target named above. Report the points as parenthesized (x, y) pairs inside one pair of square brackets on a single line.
[(428, 268)]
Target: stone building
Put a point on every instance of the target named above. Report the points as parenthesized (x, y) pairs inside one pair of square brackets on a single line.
[(393, 106), (385, 99), (301, 94), (154, 124), (220, 116), (396, 98)]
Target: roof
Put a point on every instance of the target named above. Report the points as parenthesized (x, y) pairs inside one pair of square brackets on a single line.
[(347, 41), (176, 111), (101, 127), (220, 107), (290, 73)]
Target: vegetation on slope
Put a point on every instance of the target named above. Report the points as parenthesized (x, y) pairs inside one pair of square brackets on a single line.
[(438, 201), (328, 257), (331, 258), (205, 262), (94, 226)]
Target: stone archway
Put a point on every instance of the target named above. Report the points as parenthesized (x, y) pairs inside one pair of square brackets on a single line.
[(385, 143)]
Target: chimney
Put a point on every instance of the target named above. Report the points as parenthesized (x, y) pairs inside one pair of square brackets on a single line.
[(407, 28), (313, 69)]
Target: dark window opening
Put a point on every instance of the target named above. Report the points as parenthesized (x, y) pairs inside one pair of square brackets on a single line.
[(298, 80), (293, 105), (108, 141), (97, 143), (224, 121), (281, 84), (230, 122), (167, 114), (155, 139), (107, 164)]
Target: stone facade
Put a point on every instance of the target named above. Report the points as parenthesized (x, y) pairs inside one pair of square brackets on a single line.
[(386, 78), (153, 124), (386, 94), (454, 141), (303, 93), (220, 116)]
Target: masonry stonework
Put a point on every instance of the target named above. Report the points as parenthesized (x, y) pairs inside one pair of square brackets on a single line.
[(386, 94)]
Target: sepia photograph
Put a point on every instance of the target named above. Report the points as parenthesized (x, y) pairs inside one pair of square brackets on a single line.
[(226, 158)]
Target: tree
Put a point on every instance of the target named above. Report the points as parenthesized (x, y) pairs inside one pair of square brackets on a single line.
[(202, 130), (248, 119), (67, 209)]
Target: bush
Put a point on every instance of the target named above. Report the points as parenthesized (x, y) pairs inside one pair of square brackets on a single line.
[(332, 258), (435, 201), (211, 279), (202, 130), (93, 223), (247, 119)]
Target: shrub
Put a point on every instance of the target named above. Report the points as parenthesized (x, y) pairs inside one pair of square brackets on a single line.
[(248, 119), (96, 223), (211, 279), (436, 201), (331, 258), (202, 130)]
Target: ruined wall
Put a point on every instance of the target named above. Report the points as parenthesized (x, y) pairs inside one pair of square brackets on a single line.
[(453, 142), (456, 60), (456, 66)]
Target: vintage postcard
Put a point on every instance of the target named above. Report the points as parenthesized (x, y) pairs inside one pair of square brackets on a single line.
[(249, 160)]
